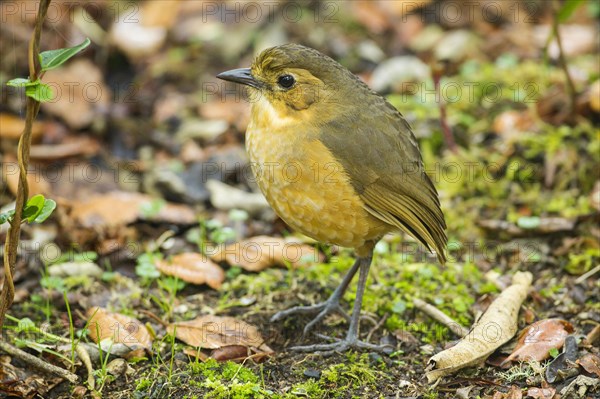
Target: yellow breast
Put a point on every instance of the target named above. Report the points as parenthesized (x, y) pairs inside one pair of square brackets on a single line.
[(304, 183)]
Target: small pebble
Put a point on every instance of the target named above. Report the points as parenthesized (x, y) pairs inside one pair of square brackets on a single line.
[(312, 373)]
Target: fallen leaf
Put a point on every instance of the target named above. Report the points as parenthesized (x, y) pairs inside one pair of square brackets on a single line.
[(513, 393), (75, 146), (590, 363), (11, 127), (135, 39), (541, 393), (579, 386), (212, 332), (117, 329), (156, 14), (100, 210), (193, 268), (81, 95), (195, 353), (496, 327), (536, 341), (595, 96), (510, 124), (231, 352), (261, 252), (10, 176)]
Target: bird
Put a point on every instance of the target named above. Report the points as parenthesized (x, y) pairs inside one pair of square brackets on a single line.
[(338, 163)]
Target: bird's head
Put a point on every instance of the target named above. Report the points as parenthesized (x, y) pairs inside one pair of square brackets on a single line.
[(295, 81)]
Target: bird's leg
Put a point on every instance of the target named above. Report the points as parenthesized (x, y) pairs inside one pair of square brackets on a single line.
[(351, 340), (332, 304)]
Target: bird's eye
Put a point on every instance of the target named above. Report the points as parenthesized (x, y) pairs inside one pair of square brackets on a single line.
[(286, 81)]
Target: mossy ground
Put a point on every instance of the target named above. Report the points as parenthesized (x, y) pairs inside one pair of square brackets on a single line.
[(546, 169)]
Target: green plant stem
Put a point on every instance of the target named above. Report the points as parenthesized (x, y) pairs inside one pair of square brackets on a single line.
[(563, 63), (33, 106)]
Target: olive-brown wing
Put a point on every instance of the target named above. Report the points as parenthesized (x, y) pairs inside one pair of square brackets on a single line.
[(379, 152)]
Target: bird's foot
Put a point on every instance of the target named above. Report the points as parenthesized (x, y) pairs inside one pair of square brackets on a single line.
[(341, 345), (324, 308)]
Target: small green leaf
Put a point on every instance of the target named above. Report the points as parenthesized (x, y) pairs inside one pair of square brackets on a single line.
[(33, 208), (47, 209), (25, 325), (18, 82), (54, 58), (40, 92), (6, 216), (553, 352), (568, 9), (399, 306)]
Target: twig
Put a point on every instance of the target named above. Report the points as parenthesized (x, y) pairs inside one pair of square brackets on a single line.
[(84, 356), (38, 363), (563, 63), (587, 275), (376, 327), (441, 317), (33, 106), (437, 73)]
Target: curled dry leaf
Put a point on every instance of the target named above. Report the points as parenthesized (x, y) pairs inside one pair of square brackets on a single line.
[(100, 211), (536, 341), (513, 393), (212, 332), (118, 329), (11, 127), (590, 363), (231, 352), (71, 147), (261, 252), (193, 268), (541, 393), (497, 325)]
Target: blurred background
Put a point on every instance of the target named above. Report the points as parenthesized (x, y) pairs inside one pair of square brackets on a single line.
[(142, 140)]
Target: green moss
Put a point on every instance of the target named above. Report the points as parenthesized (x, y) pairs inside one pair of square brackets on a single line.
[(227, 380)]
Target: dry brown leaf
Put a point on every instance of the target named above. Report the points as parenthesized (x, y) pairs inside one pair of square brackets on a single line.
[(590, 363), (119, 208), (371, 15), (541, 393), (496, 327), (536, 341), (512, 123), (514, 393), (193, 268), (120, 329), (231, 352), (11, 127), (595, 96), (81, 95), (261, 252), (73, 147), (195, 353), (156, 14), (212, 332), (10, 175)]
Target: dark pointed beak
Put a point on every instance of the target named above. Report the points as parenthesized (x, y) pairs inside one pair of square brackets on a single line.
[(241, 75)]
